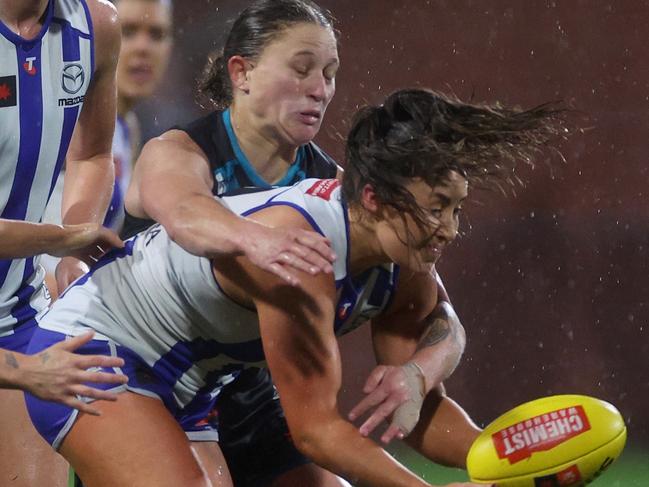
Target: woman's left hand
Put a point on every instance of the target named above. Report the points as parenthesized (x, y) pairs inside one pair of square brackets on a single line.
[(392, 390)]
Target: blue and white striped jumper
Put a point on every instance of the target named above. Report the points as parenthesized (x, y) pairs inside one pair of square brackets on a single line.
[(43, 82)]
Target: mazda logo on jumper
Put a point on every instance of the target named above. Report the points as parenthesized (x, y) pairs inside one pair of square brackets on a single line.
[(73, 78)]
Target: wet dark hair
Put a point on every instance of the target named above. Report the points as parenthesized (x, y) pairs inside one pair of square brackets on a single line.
[(418, 133), (165, 3), (252, 31)]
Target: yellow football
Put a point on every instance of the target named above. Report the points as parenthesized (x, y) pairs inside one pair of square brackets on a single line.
[(555, 441)]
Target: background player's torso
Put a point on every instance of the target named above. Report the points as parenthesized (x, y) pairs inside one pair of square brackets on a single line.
[(230, 168), (42, 85)]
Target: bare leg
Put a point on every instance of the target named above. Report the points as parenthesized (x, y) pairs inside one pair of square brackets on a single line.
[(311, 475), (211, 459), (26, 459), (445, 432), (135, 442)]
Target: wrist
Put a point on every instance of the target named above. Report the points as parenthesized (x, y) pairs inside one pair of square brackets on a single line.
[(421, 375), (244, 236), (72, 235), (13, 372)]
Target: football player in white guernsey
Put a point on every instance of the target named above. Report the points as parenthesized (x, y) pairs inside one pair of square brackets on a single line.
[(271, 85), (57, 78), (185, 324)]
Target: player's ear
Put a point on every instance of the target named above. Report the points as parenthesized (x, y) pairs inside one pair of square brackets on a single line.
[(369, 200), (239, 70)]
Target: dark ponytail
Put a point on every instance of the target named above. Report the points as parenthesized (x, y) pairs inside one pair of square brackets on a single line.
[(422, 134)]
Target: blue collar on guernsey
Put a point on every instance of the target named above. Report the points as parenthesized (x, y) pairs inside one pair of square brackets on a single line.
[(21, 41), (248, 168)]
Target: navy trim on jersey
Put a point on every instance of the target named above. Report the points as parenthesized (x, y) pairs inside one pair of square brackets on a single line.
[(18, 40), (22, 311), (248, 168), (30, 97), (70, 115), (184, 355), (71, 53), (396, 271), (271, 203), (349, 247)]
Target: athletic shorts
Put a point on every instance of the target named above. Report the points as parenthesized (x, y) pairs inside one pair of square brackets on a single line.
[(253, 432), (53, 420)]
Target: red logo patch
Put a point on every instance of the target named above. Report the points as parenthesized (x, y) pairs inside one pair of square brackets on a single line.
[(570, 476), (541, 433), (29, 65), (8, 96), (323, 188), (5, 92)]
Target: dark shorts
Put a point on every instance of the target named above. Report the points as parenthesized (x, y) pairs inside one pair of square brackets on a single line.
[(254, 436)]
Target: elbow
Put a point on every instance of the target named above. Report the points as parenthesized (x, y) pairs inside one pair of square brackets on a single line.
[(460, 339), (311, 440), (307, 444), (179, 225)]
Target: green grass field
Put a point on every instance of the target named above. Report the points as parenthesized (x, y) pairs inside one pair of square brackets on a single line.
[(630, 470)]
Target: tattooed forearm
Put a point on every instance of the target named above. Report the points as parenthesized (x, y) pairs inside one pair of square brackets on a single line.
[(437, 331), (10, 360), (45, 356)]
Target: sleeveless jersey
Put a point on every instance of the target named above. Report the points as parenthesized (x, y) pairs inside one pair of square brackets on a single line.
[(164, 303), (43, 82), (123, 157), (230, 168)]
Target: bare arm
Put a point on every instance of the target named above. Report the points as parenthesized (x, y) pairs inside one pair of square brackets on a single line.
[(418, 343), (20, 239), (172, 185), (89, 174), (421, 326)]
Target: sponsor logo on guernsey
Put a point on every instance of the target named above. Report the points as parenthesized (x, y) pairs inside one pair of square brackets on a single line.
[(72, 78), (541, 433), (29, 66), (323, 188), (8, 91)]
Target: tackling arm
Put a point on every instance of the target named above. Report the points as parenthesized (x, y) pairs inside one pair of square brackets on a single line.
[(172, 184)]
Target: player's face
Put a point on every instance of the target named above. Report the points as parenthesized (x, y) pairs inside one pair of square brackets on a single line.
[(146, 44), (410, 246), (293, 81)]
